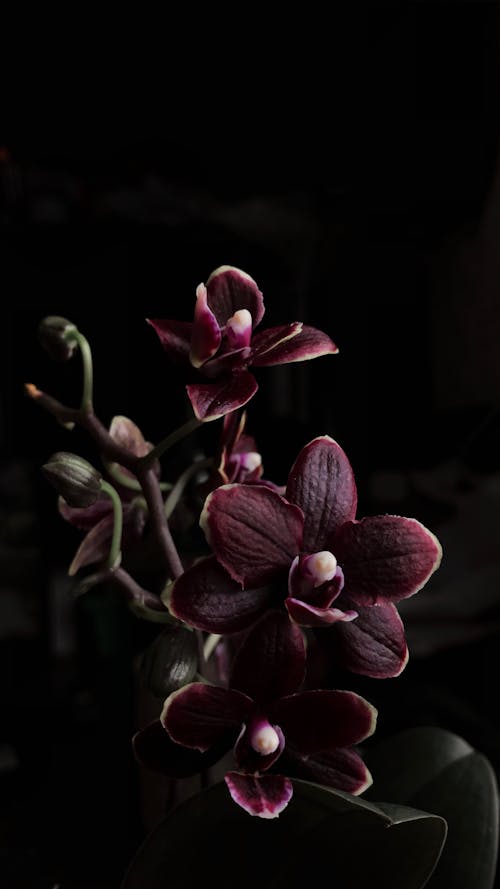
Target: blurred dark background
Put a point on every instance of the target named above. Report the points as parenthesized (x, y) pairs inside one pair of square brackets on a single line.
[(362, 192)]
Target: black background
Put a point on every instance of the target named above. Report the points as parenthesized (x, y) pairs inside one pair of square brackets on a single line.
[(353, 173)]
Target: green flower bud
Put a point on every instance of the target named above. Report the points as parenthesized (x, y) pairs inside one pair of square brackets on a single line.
[(73, 478), (170, 662), (54, 333)]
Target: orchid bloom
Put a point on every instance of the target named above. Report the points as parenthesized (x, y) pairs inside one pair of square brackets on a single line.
[(238, 461), (220, 342), (98, 520), (307, 551), (270, 726)]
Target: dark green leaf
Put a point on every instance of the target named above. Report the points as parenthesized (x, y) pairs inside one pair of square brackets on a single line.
[(209, 840), (435, 770)]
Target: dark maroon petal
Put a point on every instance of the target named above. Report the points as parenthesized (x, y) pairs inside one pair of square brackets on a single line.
[(156, 751), (206, 597), (310, 616), (308, 343), (201, 715), (271, 661), (85, 518), (265, 796), (206, 336), (226, 363), (317, 721), (322, 483), (175, 337), (229, 289), (253, 531), (267, 341), (374, 644), (342, 769), (385, 558), (213, 400), (248, 760)]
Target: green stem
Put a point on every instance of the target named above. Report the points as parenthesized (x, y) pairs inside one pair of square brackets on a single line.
[(88, 373), (170, 440), (126, 481), (116, 539)]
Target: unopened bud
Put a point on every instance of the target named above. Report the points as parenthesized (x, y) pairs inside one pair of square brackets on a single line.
[(54, 334), (171, 661), (74, 479)]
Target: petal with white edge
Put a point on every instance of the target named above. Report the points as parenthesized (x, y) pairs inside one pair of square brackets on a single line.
[(254, 532), (265, 796), (385, 558)]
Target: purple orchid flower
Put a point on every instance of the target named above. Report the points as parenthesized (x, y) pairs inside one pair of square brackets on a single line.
[(308, 551), (238, 461), (221, 345), (98, 520), (271, 727)]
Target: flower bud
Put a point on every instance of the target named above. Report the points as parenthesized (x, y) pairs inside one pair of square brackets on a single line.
[(53, 334), (73, 478), (171, 661)]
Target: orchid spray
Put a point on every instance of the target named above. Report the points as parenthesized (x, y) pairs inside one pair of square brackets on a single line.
[(284, 569)]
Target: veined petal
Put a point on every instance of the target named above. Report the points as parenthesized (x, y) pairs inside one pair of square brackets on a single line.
[(229, 290), (342, 769), (321, 483), (267, 341), (385, 558), (207, 598), (374, 644), (201, 715), (253, 531), (265, 796), (206, 336), (308, 343), (175, 337), (306, 615), (271, 661), (213, 400), (318, 721), (156, 751)]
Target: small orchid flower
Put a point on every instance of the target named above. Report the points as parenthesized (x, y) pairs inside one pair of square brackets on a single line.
[(267, 723), (238, 461), (308, 552), (98, 520), (220, 342)]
